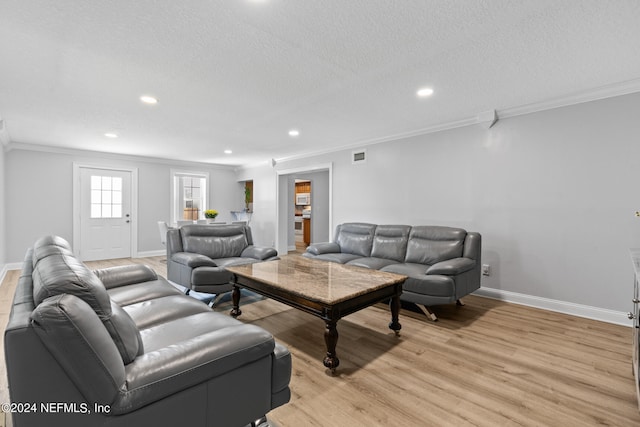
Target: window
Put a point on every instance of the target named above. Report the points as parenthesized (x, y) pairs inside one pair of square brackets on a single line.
[(188, 195), (106, 196)]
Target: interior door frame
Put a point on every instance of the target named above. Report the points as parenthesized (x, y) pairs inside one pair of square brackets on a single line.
[(283, 198), (77, 207)]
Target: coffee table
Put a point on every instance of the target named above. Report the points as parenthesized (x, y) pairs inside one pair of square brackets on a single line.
[(327, 290)]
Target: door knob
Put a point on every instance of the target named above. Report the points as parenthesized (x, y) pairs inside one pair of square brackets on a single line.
[(631, 316), (127, 215)]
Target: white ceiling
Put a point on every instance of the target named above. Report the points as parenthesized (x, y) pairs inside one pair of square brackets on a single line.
[(239, 74)]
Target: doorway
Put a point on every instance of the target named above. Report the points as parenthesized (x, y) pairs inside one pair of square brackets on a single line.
[(319, 210), (104, 201)]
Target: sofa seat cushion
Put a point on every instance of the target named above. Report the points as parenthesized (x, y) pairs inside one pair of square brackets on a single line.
[(407, 269), (184, 328), (372, 262), (341, 258), (125, 295), (149, 313)]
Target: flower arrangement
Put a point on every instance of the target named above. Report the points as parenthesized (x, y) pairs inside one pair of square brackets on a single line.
[(210, 213)]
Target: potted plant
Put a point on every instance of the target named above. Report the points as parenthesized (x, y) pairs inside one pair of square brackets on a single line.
[(210, 214)]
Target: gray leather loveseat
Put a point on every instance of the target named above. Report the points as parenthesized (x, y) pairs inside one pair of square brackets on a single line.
[(442, 263), (123, 347), (198, 254)]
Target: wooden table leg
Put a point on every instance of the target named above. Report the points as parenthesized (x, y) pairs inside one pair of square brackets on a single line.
[(331, 361), (235, 297), (394, 305)]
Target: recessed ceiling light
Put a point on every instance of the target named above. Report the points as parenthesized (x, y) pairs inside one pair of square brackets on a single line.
[(294, 132), (228, 152), (148, 99), (424, 92), (111, 135)]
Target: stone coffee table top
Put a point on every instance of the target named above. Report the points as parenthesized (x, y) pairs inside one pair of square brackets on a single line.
[(321, 281)]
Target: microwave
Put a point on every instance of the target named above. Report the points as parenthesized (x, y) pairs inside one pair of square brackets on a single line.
[(303, 199)]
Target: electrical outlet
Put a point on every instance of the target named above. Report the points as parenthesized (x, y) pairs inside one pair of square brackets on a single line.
[(485, 270)]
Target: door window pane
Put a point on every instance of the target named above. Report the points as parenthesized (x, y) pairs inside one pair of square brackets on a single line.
[(106, 197)]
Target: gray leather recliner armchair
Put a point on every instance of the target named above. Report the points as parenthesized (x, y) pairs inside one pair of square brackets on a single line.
[(198, 254), (123, 347)]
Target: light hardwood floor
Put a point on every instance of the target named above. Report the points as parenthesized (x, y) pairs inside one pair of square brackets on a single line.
[(489, 363)]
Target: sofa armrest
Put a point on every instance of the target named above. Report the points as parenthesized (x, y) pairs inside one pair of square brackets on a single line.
[(113, 277), (451, 267), (193, 260), (168, 370), (260, 253), (323, 248)]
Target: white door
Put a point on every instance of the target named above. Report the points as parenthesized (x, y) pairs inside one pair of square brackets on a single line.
[(105, 214)]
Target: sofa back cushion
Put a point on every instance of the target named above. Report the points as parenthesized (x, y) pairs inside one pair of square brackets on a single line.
[(77, 339), (50, 245), (65, 274), (431, 244), (214, 241), (59, 272), (390, 242), (355, 238)]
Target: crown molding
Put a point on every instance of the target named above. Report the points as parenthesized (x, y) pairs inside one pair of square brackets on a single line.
[(602, 92), (389, 138), (114, 156), (607, 91)]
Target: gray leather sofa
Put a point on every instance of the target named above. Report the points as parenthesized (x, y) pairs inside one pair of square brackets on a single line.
[(442, 263), (123, 347), (198, 254)]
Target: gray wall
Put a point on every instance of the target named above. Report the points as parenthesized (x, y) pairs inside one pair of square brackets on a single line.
[(39, 196), (263, 219), (553, 194)]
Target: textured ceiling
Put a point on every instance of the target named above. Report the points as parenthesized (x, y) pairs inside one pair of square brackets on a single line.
[(239, 74)]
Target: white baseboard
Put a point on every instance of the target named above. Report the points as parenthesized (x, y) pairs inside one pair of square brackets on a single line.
[(7, 267), (147, 254), (291, 248), (595, 313)]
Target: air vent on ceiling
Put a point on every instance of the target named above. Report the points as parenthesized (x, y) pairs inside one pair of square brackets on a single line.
[(359, 156)]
